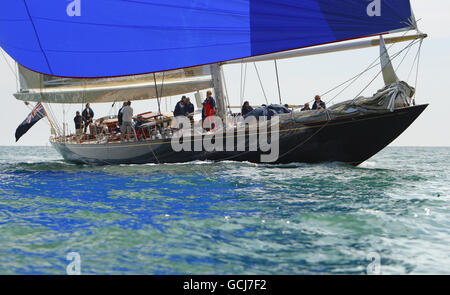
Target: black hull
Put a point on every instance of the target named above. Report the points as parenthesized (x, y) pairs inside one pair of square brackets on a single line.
[(351, 140)]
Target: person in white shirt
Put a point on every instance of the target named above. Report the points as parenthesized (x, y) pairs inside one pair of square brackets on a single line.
[(127, 121)]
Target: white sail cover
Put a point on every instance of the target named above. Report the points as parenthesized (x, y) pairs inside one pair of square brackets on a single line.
[(389, 74), (49, 89)]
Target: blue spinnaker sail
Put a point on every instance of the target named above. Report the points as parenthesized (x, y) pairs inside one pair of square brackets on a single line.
[(100, 38)]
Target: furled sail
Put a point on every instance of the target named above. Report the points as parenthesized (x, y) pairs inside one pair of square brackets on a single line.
[(50, 89), (105, 38), (389, 75)]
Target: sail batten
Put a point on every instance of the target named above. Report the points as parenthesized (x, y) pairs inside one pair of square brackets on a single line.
[(102, 38)]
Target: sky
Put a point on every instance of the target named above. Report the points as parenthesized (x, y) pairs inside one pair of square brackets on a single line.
[(300, 80)]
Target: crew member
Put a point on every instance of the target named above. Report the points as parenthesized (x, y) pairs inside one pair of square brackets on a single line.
[(180, 109), (120, 114), (306, 107), (88, 116), (318, 103), (209, 108), (78, 125), (127, 121), (189, 106), (190, 110), (246, 108)]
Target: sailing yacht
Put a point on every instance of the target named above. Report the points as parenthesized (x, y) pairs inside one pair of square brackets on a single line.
[(158, 50)]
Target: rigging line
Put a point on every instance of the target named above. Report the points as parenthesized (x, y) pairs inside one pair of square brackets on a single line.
[(278, 80), (395, 56), (37, 37), (241, 85), (157, 95), (355, 78), (245, 80), (112, 107), (413, 65), (223, 78), (53, 118), (154, 155), (260, 83), (9, 66), (162, 84), (367, 86), (372, 64), (17, 77), (417, 71), (406, 54), (167, 110), (50, 117)]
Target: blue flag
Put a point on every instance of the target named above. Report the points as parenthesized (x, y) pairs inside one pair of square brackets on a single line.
[(35, 115)]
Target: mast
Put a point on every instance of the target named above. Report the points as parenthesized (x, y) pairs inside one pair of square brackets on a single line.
[(219, 90)]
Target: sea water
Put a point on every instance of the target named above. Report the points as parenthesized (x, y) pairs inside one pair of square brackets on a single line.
[(226, 218)]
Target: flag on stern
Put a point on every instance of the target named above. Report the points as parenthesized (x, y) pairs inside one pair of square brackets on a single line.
[(36, 114)]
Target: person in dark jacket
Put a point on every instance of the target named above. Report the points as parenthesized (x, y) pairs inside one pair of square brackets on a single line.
[(120, 114), (180, 108), (78, 120), (189, 106), (246, 108), (318, 103), (306, 107), (190, 110), (88, 116)]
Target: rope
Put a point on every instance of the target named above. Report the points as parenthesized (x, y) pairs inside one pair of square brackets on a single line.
[(371, 66), (157, 96), (417, 71), (222, 75), (278, 80), (406, 54), (9, 66), (245, 83), (260, 83), (162, 84), (395, 56), (240, 87)]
